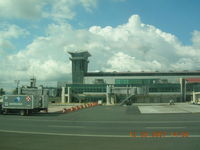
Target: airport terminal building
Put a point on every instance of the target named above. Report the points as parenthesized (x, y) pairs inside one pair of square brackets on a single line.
[(119, 87)]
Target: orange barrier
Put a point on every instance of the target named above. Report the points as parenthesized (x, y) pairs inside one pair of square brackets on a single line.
[(76, 108), (64, 110)]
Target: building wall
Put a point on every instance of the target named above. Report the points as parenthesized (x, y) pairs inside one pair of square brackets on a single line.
[(158, 98)]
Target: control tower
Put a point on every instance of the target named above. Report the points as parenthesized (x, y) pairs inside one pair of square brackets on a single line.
[(79, 65)]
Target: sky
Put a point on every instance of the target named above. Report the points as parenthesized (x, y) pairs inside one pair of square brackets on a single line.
[(121, 35)]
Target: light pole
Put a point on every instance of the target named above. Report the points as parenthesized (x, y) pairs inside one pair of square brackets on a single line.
[(17, 82)]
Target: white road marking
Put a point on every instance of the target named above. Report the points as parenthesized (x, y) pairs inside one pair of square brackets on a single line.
[(90, 135), (122, 122), (165, 127), (66, 126), (113, 127), (62, 134)]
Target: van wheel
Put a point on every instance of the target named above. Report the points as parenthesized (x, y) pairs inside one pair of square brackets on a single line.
[(29, 112), (22, 112), (4, 111), (46, 110)]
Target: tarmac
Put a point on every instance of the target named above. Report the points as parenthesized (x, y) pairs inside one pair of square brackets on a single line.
[(166, 108), (101, 127), (144, 108)]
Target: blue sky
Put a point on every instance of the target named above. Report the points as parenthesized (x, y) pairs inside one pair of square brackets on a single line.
[(143, 35)]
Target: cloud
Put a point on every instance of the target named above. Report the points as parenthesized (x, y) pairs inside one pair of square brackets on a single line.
[(37, 9), (144, 42), (44, 57), (133, 46), (89, 4), (196, 39), (63, 9), (23, 9), (7, 33), (118, 0), (129, 63)]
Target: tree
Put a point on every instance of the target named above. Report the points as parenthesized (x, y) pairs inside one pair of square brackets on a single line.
[(15, 91), (2, 92)]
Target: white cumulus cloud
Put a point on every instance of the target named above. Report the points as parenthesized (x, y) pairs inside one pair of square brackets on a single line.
[(133, 46), (36, 9), (23, 9), (7, 33)]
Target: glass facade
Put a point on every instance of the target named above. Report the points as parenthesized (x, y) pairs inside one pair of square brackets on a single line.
[(153, 87), (88, 92), (193, 87), (136, 81), (80, 88), (165, 88)]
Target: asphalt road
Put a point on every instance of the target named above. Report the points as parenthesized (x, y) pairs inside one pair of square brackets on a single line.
[(101, 127)]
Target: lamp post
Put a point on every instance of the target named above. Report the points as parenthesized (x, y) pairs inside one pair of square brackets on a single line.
[(17, 83)]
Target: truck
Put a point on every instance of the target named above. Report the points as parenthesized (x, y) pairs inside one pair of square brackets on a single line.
[(28, 100), (1, 100), (24, 104)]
